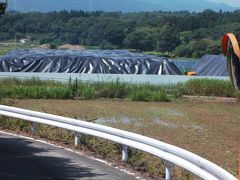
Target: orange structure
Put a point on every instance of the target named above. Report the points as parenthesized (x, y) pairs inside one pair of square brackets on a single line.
[(231, 50)]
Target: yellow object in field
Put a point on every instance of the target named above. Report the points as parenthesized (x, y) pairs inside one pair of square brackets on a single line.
[(191, 73)]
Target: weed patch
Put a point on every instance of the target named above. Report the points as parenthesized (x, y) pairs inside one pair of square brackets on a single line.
[(206, 87), (37, 89)]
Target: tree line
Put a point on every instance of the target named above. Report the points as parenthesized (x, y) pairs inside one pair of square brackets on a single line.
[(183, 34)]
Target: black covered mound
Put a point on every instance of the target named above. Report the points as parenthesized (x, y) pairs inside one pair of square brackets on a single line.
[(89, 61), (211, 65)]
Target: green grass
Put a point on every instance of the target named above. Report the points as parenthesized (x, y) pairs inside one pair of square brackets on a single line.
[(149, 95), (114, 89), (87, 92), (7, 47), (156, 53), (206, 87), (37, 89), (34, 89)]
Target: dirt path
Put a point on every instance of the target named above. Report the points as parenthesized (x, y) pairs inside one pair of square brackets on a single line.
[(208, 129)]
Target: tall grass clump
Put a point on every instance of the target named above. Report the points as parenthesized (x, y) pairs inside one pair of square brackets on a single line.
[(88, 92), (149, 95), (37, 89), (34, 89), (113, 89), (206, 87)]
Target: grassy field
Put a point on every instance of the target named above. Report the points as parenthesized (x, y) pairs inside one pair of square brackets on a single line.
[(208, 129), (7, 47), (156, 53), (36, 89)]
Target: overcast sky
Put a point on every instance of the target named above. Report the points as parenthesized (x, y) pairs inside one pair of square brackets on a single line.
[(50, 5), (235, 3)]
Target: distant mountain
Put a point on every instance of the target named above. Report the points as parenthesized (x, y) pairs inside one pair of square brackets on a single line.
[(191, 5), (116, 5)]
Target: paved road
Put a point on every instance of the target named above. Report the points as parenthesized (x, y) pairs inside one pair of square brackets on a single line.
[(25, 159)]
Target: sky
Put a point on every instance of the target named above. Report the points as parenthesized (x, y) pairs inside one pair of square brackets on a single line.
[(123, 5), (234, 3)]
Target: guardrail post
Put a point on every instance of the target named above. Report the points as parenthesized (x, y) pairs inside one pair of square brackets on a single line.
[(33, 128), (169, 171), (239, 169), (77, 138), (124, 153)]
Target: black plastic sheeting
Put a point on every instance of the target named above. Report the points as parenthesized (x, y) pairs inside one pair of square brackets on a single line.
[(211, 65), (87, 61)]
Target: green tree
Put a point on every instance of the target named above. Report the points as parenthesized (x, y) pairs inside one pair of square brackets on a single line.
[(141, 39), (200, 33), (183, 50), (199, 48), (186, 37), (114, 33), (168, 39)]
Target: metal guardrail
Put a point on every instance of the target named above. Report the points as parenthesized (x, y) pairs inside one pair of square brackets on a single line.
[(171, 154)]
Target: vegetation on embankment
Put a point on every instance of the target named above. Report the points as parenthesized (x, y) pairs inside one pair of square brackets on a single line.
[(182, 34), (207, 87), (9, 46), (74, 89), (37, 89)]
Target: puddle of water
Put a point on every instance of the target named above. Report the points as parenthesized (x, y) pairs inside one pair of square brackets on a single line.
[(127, 120), (164, 123), (196, 127), (168, 112), (173, 112), (121, 120), (124, 120), (171, 125)]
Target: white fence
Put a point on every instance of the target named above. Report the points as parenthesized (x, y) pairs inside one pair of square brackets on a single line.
[(171, 154), (127, 78)]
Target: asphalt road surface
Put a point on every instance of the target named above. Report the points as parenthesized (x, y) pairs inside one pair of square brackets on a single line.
[(26, 159)]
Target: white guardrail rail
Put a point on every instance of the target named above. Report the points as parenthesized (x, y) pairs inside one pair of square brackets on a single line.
[(171, 154)]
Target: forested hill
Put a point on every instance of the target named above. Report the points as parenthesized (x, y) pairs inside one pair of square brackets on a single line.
[(181, 33)]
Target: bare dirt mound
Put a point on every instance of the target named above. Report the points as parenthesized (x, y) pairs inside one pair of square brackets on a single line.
[(72, 47)]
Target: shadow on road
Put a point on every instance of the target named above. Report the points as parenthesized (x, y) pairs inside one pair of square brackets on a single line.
[(23, 159)]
